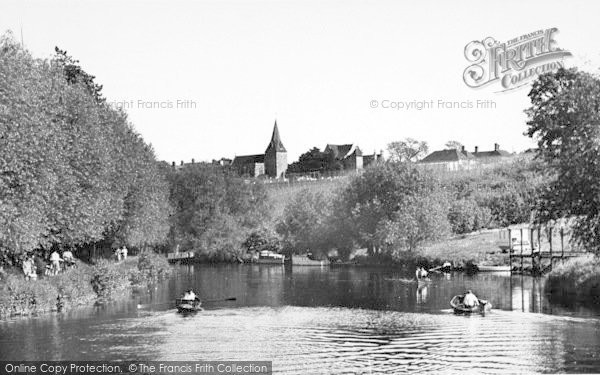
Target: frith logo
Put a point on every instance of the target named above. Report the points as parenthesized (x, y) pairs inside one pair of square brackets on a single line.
[(514, 63)]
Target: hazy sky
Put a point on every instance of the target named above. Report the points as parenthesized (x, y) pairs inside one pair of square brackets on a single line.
[(315, 66)]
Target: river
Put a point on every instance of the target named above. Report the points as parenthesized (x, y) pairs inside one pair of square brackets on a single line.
[(323, 320)]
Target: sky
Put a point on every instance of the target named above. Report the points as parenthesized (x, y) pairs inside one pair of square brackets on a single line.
[(207, 79)]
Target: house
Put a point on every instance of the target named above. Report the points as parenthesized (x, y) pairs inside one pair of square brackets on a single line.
[(223, 162), (370, 159), (349, 156), (450, 159), (496, 153), (272, 163)]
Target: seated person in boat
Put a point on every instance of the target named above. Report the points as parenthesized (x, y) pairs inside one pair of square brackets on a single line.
[(470, 299), (190, 297)]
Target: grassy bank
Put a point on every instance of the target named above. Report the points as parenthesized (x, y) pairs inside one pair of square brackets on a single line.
[(577, 280), (479, 248), (81, 285)]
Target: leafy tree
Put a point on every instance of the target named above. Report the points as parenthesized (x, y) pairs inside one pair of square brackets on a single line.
[(73, 171), (454, 145), (214, 210), (408, 150), (311, 161), (75, 74), (316, 161), (305, 222), (564, 117), (419, 219), (377, 196), (466, 215)]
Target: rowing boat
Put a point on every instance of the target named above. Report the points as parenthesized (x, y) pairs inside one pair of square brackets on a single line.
[(459, 308), (186, 307)]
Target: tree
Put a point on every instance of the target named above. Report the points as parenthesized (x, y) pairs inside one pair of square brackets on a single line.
[(408, 150), (311, 161), (564, 117), (73, 171), (305, 222), (419, 219), (215, 212), (465, 216), (377, 196), (456, 145)]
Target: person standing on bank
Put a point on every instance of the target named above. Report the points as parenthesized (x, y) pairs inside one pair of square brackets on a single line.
[(55, 262)]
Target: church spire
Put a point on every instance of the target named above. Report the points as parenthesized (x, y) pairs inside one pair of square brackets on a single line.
[(276, 143)]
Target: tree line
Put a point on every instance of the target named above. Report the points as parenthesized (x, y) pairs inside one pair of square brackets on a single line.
[(73, 171)]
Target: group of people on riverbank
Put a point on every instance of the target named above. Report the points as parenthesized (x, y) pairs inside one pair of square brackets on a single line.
[(55, 266), (121, 253)]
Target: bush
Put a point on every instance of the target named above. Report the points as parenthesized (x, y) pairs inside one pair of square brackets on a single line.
[(21, 297), (108, 280), (576, 280), (75, 285), (151, 267)]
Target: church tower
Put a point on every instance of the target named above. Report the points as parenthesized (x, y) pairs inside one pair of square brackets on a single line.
[(275, 156)]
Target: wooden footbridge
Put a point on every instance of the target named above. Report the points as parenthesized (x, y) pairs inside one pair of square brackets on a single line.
[(536, 248)]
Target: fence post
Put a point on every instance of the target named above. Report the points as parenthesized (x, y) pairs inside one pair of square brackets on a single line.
[(550, 239), (510, 249), (562, 243), (521, 249)]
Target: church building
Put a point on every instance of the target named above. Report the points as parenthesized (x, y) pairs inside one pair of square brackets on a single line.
[(273, 163)]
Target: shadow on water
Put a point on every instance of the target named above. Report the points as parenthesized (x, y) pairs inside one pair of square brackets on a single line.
[(322, 320)]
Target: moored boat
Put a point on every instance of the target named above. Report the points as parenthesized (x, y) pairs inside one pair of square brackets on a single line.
[(460, 308), (270, 257), (485, 268), (304, 260)]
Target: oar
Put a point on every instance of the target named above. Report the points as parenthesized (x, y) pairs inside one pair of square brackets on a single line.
[(152, 304), (220, 300), (164, 303)]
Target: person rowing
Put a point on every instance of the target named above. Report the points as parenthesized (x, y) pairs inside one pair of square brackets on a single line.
[(470, 299), (190, 297), (420, 273)]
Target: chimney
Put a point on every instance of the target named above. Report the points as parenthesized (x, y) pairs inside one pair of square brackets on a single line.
[(476, 149), (173, 164), (462, 148), (496, 147), (182, 162), (193, 161)]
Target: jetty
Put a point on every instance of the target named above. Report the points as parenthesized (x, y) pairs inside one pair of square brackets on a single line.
[(537, 248)]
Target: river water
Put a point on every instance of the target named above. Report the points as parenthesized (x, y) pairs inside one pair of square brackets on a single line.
[(311, 320)]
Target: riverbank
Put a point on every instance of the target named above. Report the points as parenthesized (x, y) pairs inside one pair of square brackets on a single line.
[(79, 286), (577, 280), (463, 252)]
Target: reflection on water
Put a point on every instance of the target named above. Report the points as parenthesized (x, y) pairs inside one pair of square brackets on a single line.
[(321, 320), (422, 294)]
